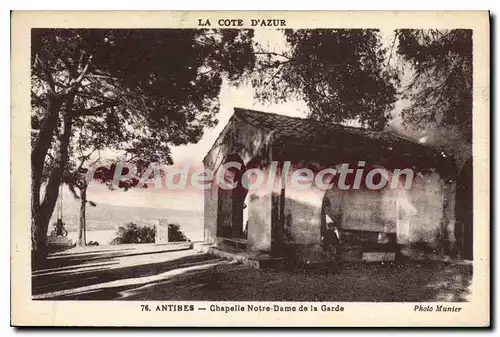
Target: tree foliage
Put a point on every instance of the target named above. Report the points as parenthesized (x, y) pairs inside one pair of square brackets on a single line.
[(142, 89), (341, 75), (135, 92), (441, 87)]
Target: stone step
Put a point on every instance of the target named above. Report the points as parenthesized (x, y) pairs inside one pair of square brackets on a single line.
[(370, 252), (378, 256), (258, 261)]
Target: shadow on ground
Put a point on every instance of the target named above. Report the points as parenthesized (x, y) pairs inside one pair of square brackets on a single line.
[(188, 275)]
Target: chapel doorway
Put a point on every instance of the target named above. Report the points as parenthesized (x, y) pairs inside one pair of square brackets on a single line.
[(231, 203)]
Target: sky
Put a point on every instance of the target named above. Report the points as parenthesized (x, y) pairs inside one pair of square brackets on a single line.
[(229, 97), (243, 97)]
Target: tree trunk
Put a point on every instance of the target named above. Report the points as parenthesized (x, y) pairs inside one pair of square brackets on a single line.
[(41, 213), (39, 227), (40, 216), (82, 235)]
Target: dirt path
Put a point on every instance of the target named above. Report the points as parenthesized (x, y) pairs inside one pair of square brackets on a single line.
[(142, 273)]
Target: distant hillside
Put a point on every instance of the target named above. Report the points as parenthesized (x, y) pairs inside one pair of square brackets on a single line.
[(109, 217)]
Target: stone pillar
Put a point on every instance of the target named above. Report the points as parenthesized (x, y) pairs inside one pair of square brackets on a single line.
[(405, 211), (210, 214), (260, 220), (161, 235)]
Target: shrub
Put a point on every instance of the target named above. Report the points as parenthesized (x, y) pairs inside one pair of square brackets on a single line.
[(131, 233), (175, 234)]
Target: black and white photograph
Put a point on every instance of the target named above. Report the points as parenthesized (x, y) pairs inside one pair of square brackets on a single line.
[(249, 165)]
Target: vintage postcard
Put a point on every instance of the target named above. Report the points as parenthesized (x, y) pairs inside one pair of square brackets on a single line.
[(250, 169)]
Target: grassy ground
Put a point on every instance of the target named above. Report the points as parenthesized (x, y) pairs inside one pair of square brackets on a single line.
[(179, 274)]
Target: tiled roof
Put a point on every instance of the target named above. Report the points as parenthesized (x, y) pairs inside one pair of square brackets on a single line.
[(312, 132)]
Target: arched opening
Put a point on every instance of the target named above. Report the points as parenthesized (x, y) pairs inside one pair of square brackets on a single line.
[(463, 212), (231, 203)]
